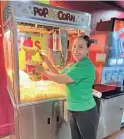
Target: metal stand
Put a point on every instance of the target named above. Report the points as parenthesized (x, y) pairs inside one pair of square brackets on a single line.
[(111, 111)]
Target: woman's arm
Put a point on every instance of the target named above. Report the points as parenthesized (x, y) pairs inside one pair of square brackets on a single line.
[(59, 78), (51, 67), (49, 64)]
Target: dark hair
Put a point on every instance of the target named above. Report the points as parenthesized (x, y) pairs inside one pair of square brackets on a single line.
[(87, 39)]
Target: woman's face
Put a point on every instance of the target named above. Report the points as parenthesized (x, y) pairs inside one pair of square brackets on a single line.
[(80, 49)]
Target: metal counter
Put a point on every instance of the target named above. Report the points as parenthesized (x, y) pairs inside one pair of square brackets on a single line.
[(111, 111)]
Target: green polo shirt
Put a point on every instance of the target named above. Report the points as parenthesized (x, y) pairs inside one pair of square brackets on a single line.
[(79, 93)]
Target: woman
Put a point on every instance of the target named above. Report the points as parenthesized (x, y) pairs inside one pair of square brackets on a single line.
[(79, 79)]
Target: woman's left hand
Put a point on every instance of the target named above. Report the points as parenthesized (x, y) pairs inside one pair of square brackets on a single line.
[(39, 68)]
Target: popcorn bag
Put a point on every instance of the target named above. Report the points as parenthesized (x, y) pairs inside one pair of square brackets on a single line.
[(33, 75)]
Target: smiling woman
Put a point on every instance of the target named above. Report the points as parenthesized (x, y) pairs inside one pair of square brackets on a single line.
[(80, 48), (78, 79)]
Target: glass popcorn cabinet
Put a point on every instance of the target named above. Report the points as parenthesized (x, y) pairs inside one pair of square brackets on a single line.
[(30, 28)]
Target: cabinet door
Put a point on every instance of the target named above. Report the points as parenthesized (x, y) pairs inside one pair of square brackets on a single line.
[(26, 123), (36, 121), (62, 127), (44, 121), (58, 116)]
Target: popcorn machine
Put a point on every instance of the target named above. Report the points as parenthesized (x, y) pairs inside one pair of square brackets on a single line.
[(28, 27)]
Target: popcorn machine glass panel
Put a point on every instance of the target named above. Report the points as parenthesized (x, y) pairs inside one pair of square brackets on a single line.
[(8, 50), (54, 43)]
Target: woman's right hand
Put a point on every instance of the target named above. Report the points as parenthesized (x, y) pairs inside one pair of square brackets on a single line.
[(48, 63)]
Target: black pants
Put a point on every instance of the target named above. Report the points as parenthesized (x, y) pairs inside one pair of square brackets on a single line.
[(84, 124)]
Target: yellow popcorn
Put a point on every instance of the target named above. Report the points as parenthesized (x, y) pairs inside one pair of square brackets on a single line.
[(31, 91)]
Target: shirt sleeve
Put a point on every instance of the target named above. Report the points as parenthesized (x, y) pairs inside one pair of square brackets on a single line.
[(80, 71)]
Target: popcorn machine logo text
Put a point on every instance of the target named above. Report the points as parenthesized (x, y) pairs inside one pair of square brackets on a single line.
[(54, 14)]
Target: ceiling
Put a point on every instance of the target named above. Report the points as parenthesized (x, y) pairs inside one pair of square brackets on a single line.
[(119, 4)]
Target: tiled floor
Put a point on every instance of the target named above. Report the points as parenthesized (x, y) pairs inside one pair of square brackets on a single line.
[(65, 131), (118, 135)]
